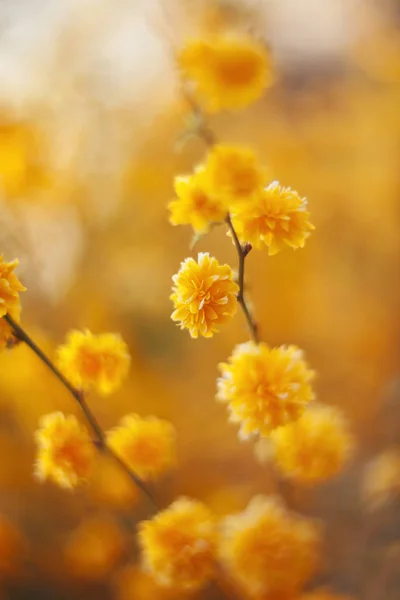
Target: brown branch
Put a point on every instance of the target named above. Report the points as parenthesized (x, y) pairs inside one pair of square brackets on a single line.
[(242, 252), (21, 335)]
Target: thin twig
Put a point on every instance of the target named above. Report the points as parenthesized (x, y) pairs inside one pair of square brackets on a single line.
[(242, 252), (21, 334)]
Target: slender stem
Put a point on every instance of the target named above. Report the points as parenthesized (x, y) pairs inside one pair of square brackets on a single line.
[(242, 252), (21, 334)]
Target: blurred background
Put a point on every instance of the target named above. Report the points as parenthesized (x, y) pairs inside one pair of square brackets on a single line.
[(90, 115)]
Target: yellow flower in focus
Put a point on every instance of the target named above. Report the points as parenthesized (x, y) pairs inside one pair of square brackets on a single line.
[(228, 72), (382, 479), (10, 287), (65, 451), (204, 295), (265, 387), (194, 205), (178, 545), (98, 361), (277, 217), (268, 550), (313, 448), (234, 174), (323, 594), (146, 445)]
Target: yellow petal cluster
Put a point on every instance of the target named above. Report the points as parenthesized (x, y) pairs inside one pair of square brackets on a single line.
[(204, 295), (178, 545), (195, 205), (265, 387), (228, 72), (276, 218), (10, 287), (315, 447), (381, 482), (268, 550), (146, 445), (94, 361), (65, 451), (234, 174)]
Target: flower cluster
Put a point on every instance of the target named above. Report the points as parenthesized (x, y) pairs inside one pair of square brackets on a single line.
[(65, 450), (94, 361), (204, 295), (265, 387), (178, 544), (10, 287), (315, 447)]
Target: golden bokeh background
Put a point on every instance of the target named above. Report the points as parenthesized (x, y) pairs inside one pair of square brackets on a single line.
[(90, 123)]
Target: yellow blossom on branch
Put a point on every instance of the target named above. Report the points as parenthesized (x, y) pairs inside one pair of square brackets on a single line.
[(204, 295), (268, 550), (315, 447), (10, 287), (94, 361), (146, 445), (276, 218), (227, 72), (65, 451), (194, 205), (178, 545), (234, 174), (265, 387)]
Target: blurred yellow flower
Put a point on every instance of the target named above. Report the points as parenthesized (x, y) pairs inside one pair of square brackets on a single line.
[(228, 72), (268, 550), (277, 217), (178, 545), (234, 174), (10, 287), (65, 451), (204, 295), (265, 387), (315, 447), (194, 205), (94, 361), (382, 478), (146, 445)]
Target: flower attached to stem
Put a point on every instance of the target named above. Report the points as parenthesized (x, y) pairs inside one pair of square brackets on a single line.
[(227, 72), (178, 545), (10, 287), (276, 218), (98, 361), (268, 550), (204, 295), (265, 387), (146, 445), (194, 205), (66, 453)]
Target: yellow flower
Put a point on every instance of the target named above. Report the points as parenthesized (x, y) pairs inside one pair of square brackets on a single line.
[(195, 206), (382, 479), (65, 451), (228, 72), (265, 387), (234, 174), (178, 545), (98, 361), (204, 295), (146, 445), (10, 287), (315, 447), (268, 550), (277, 217)]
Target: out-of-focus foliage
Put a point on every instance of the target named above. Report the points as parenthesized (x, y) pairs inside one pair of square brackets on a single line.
[(91, 113)]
